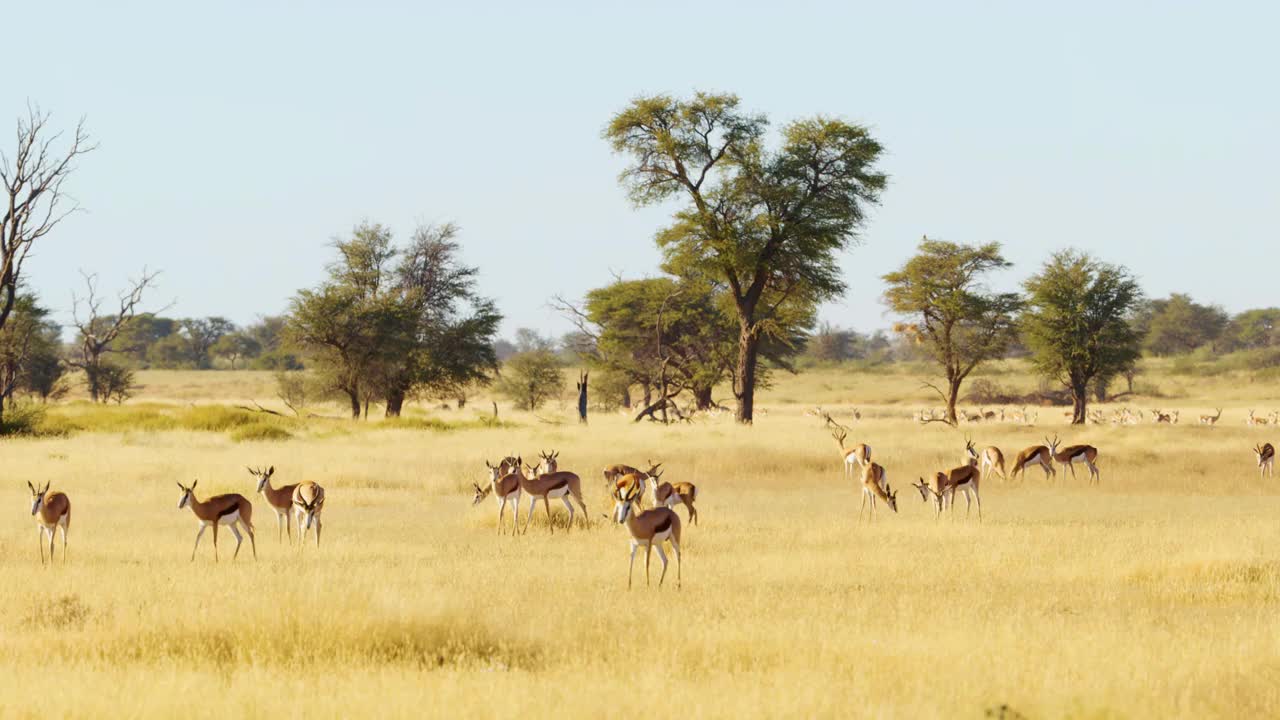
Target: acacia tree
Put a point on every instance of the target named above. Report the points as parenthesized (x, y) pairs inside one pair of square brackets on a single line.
[(1078, 323), (764, 224), (28, 343), (202, 334), (389, 322), (99, 331), (949, 311), (32, 181)]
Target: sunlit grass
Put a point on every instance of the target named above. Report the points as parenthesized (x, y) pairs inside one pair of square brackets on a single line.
[(1154, 595)]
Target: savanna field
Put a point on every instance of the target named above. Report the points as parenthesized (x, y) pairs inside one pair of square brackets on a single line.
[(1155, 594)]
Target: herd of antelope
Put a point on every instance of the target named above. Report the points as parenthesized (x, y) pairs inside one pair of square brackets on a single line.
[(511, 478), (300, 504), (631, 488)]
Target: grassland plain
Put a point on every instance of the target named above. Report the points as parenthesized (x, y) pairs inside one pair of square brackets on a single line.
[(1156, 594)]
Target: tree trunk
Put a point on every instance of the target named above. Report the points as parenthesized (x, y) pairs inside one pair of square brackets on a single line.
[(355, 404), (953, 395), (462, 401), (648, 395), (1, 415), (1079, 402), (582, 398), (395, 402), (702, 398), (626, 398), (745, 378)]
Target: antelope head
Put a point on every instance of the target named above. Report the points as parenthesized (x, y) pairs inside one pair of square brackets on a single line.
[(653, 469), (623, 498), (309, 508), (970, 451), (549, 463), (893, 497), (187, 493), (839, 436), (1053, 444), (263, 476), (37, 496), (481, 493), (925, 490)]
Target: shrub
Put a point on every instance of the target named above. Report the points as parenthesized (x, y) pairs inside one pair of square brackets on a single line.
[(216, 418)]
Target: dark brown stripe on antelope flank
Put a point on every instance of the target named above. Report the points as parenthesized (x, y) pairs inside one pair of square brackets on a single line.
[(563, 483), (663, 526), (227, 511)]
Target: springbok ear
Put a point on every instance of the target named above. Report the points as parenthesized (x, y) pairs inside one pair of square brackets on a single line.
[(194, 484), (271, 471), (251, 470), (46, 486), (176, 483), (33, 487)]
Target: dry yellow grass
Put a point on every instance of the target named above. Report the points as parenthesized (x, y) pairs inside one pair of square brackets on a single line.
[(1154, 595)]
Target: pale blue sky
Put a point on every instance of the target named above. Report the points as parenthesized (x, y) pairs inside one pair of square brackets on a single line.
[(238, 138)]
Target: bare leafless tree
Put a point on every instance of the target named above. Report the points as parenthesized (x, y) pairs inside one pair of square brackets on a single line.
[(34, 200), (98, 329)]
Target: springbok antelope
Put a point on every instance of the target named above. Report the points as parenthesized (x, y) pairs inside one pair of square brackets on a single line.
[(308, 502), (620, 475), (280, 500), (52, 510), (1254, 421), (228, 510), (509, 464), (1073, 454), (990, 459), (550, 461), (544, 486), (1265, 453), (856, 457), (667, 494), (504, 487), (875, 484), (649, 528), (1035, 455), (964, 479), (1211, 419)]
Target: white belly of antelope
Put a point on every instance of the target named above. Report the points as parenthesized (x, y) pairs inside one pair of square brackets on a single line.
[(229, 519), (559, 492), (657, 538)]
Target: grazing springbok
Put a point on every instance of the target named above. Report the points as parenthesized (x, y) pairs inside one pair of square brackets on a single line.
[(1266, 455), (308, 502), (280, 500), (1035, 455), (504, 487), (875, 484), (230, 509), (649, 528), (1211, 419), (964, 479), (990, 459), (544, 486), (1252, 421), (52, 510), (1073, 454), (667, 494), (854, 458), (620, 475)]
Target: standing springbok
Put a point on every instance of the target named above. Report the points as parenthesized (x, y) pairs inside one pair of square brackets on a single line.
[(1266, 455), (1035, 455), (875, 484), (280, 500), (308, 502), (504, 487), (1211, 419), (1073, 454), (228, 510), (626, 475), (1252, 421), (649, 528), (990, 459), (668, 494), (544, 486), (52, 510), (854, 458)]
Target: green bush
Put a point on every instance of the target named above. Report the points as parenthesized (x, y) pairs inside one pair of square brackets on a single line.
[(216, 418)]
